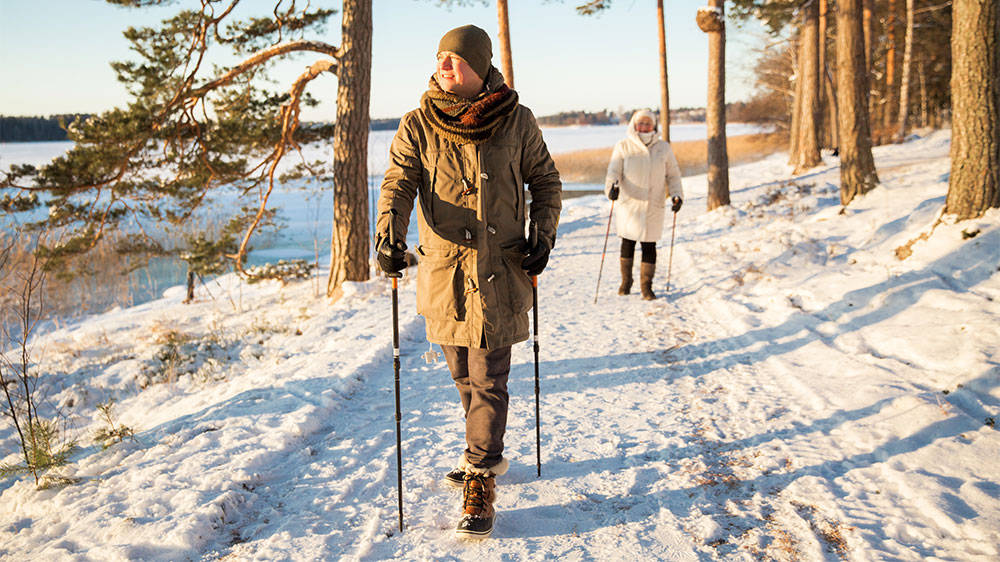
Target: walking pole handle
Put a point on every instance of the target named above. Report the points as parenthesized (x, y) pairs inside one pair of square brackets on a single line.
[(393, 213)]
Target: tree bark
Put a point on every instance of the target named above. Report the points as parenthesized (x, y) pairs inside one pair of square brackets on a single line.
[(806, 153), (857, 166), (715, 110), (349, 243), (974, 184), (904, 82), (506, 60), (664, 87)]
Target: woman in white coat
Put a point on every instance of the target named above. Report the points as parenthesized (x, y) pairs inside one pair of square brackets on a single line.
[(642, 173)]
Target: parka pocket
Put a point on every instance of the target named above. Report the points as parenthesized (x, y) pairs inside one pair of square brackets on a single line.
[(519, 204), (518, 282), (426, 193), (440, 294)]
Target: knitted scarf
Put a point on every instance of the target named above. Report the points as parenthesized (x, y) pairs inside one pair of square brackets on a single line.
[(468, 121)]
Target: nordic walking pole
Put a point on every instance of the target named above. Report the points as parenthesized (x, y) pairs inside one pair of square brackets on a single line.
[(532, 240), (606, 234), (395, 366), (670, 262)]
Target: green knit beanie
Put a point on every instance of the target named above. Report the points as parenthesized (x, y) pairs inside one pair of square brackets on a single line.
[(472, 44)]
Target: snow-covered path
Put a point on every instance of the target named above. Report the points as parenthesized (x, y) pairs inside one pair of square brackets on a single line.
[(798, 394)]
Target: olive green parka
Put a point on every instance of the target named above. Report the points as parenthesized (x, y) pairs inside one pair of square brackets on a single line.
[(471, 221)]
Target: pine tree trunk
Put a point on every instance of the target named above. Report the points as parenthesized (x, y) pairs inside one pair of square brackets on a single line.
[(904, 82), (349, 244), (826, 126), (664, 87), (891, 90), (974, 185), (506, 60), (924, 121), (793, 133), (869, 7), (857, 167), (832, 96), (715, 112), (190, 287), (806, 153)]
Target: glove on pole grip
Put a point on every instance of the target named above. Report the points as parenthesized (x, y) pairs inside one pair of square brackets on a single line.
[(392, 239)]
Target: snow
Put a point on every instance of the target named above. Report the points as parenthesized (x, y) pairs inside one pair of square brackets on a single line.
[(799, 393)]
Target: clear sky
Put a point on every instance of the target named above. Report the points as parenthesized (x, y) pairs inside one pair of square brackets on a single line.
[(55, 54)]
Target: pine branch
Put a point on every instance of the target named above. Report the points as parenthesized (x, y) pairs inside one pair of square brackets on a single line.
[(262, 57)]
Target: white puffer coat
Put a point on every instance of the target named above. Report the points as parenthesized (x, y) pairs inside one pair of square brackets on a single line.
[(643, 174)]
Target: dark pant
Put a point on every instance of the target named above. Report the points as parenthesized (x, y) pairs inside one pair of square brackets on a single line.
[(648, 250), (481, 379)]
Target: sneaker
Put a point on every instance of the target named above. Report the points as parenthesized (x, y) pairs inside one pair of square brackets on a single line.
[(455, 478), (478, 514)]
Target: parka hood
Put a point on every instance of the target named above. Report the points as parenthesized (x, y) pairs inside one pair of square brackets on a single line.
[(633, 134)]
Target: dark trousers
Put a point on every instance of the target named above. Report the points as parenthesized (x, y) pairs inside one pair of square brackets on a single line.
[(648, 250), (481, 378)]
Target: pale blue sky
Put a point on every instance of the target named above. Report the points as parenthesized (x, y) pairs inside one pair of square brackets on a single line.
[(55, 54)]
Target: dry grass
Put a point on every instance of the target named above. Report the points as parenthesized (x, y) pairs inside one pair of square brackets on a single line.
[(98, 283), (590, 166)]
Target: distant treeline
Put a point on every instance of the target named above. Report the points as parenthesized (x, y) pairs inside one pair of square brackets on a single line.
[(754, 111), (31, 129), (384, 124)]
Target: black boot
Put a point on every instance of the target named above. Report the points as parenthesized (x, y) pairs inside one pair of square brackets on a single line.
[(646, 271), (455, 478), (626, 287)]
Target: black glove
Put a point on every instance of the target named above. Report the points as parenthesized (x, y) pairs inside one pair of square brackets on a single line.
[(536, 258), (613, 192), (391, 259), (677, 204)]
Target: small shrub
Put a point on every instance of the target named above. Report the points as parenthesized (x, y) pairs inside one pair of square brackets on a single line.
[(283, 271), (261, 326), (111, 434), (43, 450)]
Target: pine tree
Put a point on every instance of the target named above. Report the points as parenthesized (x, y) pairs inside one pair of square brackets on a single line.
[(974, 184), (857, 166), (192, 132), (712, 22)]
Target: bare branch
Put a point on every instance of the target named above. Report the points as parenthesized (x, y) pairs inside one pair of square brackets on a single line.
[(289, 124)]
